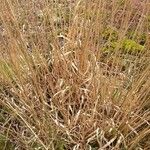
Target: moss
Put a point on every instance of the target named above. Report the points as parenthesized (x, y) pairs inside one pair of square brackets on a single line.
[(131, 46), (110, 38), (126, 46)]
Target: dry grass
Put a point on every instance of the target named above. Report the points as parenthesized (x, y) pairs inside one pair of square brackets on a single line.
[(74, 75)]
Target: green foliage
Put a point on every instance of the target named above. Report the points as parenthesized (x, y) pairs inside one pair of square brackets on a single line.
[(5, 144), (60, 145), (109, 34), (36, 146), (131, 46), (110, 37)]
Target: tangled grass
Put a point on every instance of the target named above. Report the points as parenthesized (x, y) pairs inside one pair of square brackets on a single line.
[(74, 75)]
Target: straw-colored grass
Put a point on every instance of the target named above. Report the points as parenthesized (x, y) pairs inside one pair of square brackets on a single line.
[(74, 75)]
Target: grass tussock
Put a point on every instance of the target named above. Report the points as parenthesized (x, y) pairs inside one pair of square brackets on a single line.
[(74, 75)]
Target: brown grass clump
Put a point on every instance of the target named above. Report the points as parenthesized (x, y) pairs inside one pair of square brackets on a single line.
[(74, 75)]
